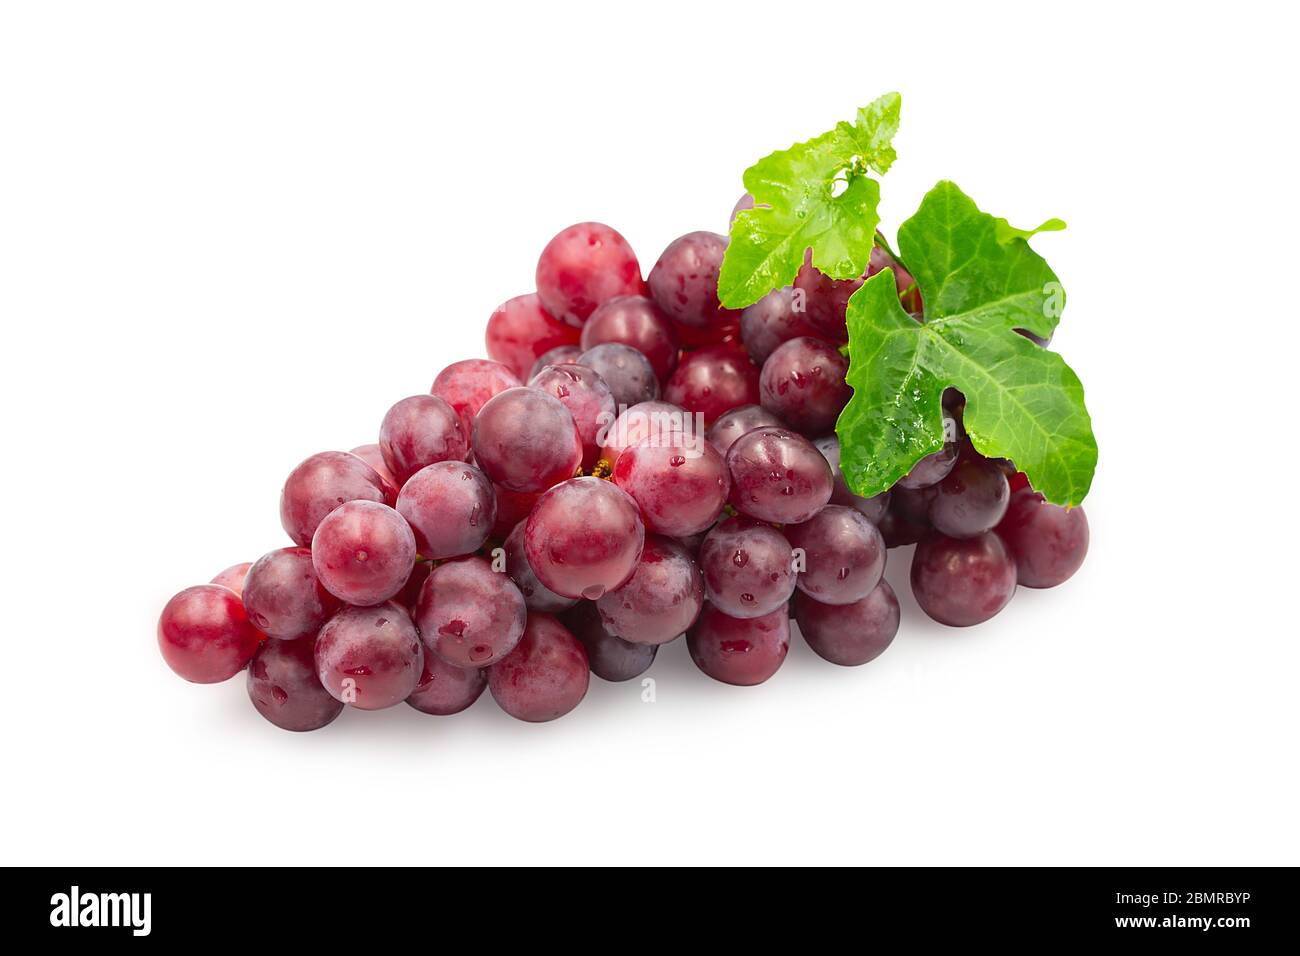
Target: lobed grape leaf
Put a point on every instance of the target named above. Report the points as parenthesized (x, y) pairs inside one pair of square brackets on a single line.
[(815, 194), (980, 281)]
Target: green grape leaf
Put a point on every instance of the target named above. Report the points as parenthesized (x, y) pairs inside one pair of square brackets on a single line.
[(815, 194), (980, 281)]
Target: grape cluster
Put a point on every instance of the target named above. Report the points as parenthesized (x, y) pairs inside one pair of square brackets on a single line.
[(634, 463)]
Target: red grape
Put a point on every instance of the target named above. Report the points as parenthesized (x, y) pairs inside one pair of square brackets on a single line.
[(844, 555), (739, 651), (849, 634), (370, 657), (520, 331), (610, 658), (285, 688), (1047, 542), (962, 581), (545, 676), (537, 595), (729, 426), (283, 596), (680, 486), (512, 508), (661, 599), (526, 440), (584, 393), (714, 380), (584, 266), (628, 373), (468, 614), (233, 577), (561, 355), (657, 421), (450, 508), (584, 538), (873, 508), (778, 475), (419, 431), (971, 499), (445, 689), (684, 283), (322, 483), (828, 298), (466, 385), (776, 318), (205, 635), (802, 383), (748, 568), (635, 321), (363, 552), (373, 457)]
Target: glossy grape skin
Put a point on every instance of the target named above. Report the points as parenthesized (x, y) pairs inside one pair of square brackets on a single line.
[(748, 568), (772, 320), (610, 658), (680, 487), (285, 688), (363, 552), (635, 321), (322, 483), (1047, 542), (873, 508), (629, 374), (844, 555), (684, 283), (971, 499), (233, 577), (450, 507), (739, 651), (512, 508), (370, 657), (584, 538), (563, 355), (657, 421), (419, 431), (468, 614), (520, 331), (373, 457), (778, 475), (849, 634), (526, 440), (828, 298), (729, 426), (962, 581), (466, 385), (714, 380), (545, 676), (661, 599), (802, 383), (589, 400), (584, 266), (445, 689), (537, 596), (283, 596), (205, 634)]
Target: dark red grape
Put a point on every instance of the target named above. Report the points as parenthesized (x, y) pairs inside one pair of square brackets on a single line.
[(563, 355), (445, 689), (628, 373), (468, 614), (363, 552), (233, 577), (914, 503), (1047, 542), (205, 634), (933, 468), (322, 483), (739, 651), (828, 298), (450, 508), (657, 421), (584, 393), (584, 538), (373, 457), (512, 508), (714, 380), (844, 555), (729, 426), (680, 486), (971, 499), (773, 320), (283, 596), (466, 385), (635, 321), (520, 331), (898, 529), (962, 581), (873, 508), (545, 676), (419, 431), (584, 266), (684, 283), (849, 634), (370, 657), (526, 440), (537, 595), (778, 475), (661, 599), (802, 383), (285, 688), (610, 658), (748, 568), (410, 593)]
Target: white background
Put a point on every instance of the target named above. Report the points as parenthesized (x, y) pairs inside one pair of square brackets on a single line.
[(232, 234)]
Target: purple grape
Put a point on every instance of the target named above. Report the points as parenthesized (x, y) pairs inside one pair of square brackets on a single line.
[(828, 298), (526, 440), (370, 657), (283, 596), (712, 381), (661, 599), (658, 421), (729, 426), (373, 457), (914, 503), (873, 508), (445, 689), (467, 385), (537, 595), (451, 508), (971, 499), (584, 393), (748, 568), (322, 483), (610, 658), (1047, 542), (561, 355), (419, 431), (545, 676), (772, 320), (680, 487), (629, 374), (735, 651), (778, 475), (285, 688), (521, 330), (363, 552), (933, 468), (802, 383), (468, 614), (584, 266), (849, 634), (844, 555), (584, 538), (684, 283), (205, 635), (962, 581), (636, 321), (898, 529)]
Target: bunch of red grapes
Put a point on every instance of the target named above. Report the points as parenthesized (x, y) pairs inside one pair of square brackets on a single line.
[(633, 464)]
